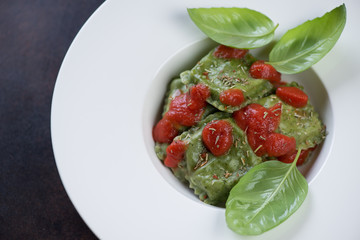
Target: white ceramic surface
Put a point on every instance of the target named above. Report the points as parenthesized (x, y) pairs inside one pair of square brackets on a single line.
[(100, 117)]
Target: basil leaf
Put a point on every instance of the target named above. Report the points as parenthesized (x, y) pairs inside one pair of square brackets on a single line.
[(234, 27), (301, 47), (265, 197)]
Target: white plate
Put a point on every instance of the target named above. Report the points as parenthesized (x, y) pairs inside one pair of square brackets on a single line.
[(100, 125)]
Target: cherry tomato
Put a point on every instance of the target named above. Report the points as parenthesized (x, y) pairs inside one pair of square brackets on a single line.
[(256, 140), (292, 96), (290, 157), (164, 131), (232, 97), (180, 113), (260, 69), (175, 153), (258, 122), (198, 95), (217, 137), (278, 144), (229, 52), (241, 118)]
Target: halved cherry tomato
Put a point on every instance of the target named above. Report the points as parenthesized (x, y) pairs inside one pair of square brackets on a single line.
[(198, 95), (164, 131), (229, 52), (175, 153), (290, 157), (232, 97), (217, 137), (292, 96), (257, 140), (259, 122), (262, 119), (257, 118), (180, 113), (241, 118), (278, 144), (260, 69)]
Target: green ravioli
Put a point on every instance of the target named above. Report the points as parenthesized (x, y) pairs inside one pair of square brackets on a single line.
[(220, 74), (303, 124), (213, 177), (176, 87)]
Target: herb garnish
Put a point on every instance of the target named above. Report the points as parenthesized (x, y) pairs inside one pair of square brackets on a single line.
[(234, 27), (303, 46), (297, 50), (265, 197)]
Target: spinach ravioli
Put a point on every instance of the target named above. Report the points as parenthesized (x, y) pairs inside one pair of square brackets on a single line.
[(212, 176), (303, 124), (220, 74), (176, 88)]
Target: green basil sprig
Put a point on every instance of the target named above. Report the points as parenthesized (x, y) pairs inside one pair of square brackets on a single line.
[(265, 197), (301, 47), (234, 27)]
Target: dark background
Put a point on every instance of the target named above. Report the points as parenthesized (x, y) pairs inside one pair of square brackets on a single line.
[(34, 38)]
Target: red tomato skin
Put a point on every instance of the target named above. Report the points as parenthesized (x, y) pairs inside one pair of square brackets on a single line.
[(292, 96), (217, 137), (290, 157), (175, 153), (256, 141), (255, 117), (164, 131), (232, 97), (180, 113), (259, 119), (198, 95), (257, 128), (240, 118), (278, 144), (260, 69), (229, 52), (258, 122)]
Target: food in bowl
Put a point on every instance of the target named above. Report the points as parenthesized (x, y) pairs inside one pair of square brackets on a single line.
[(220, 119), (233, 130)]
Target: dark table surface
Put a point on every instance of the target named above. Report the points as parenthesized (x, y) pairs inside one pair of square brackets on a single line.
[(34, 38)]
